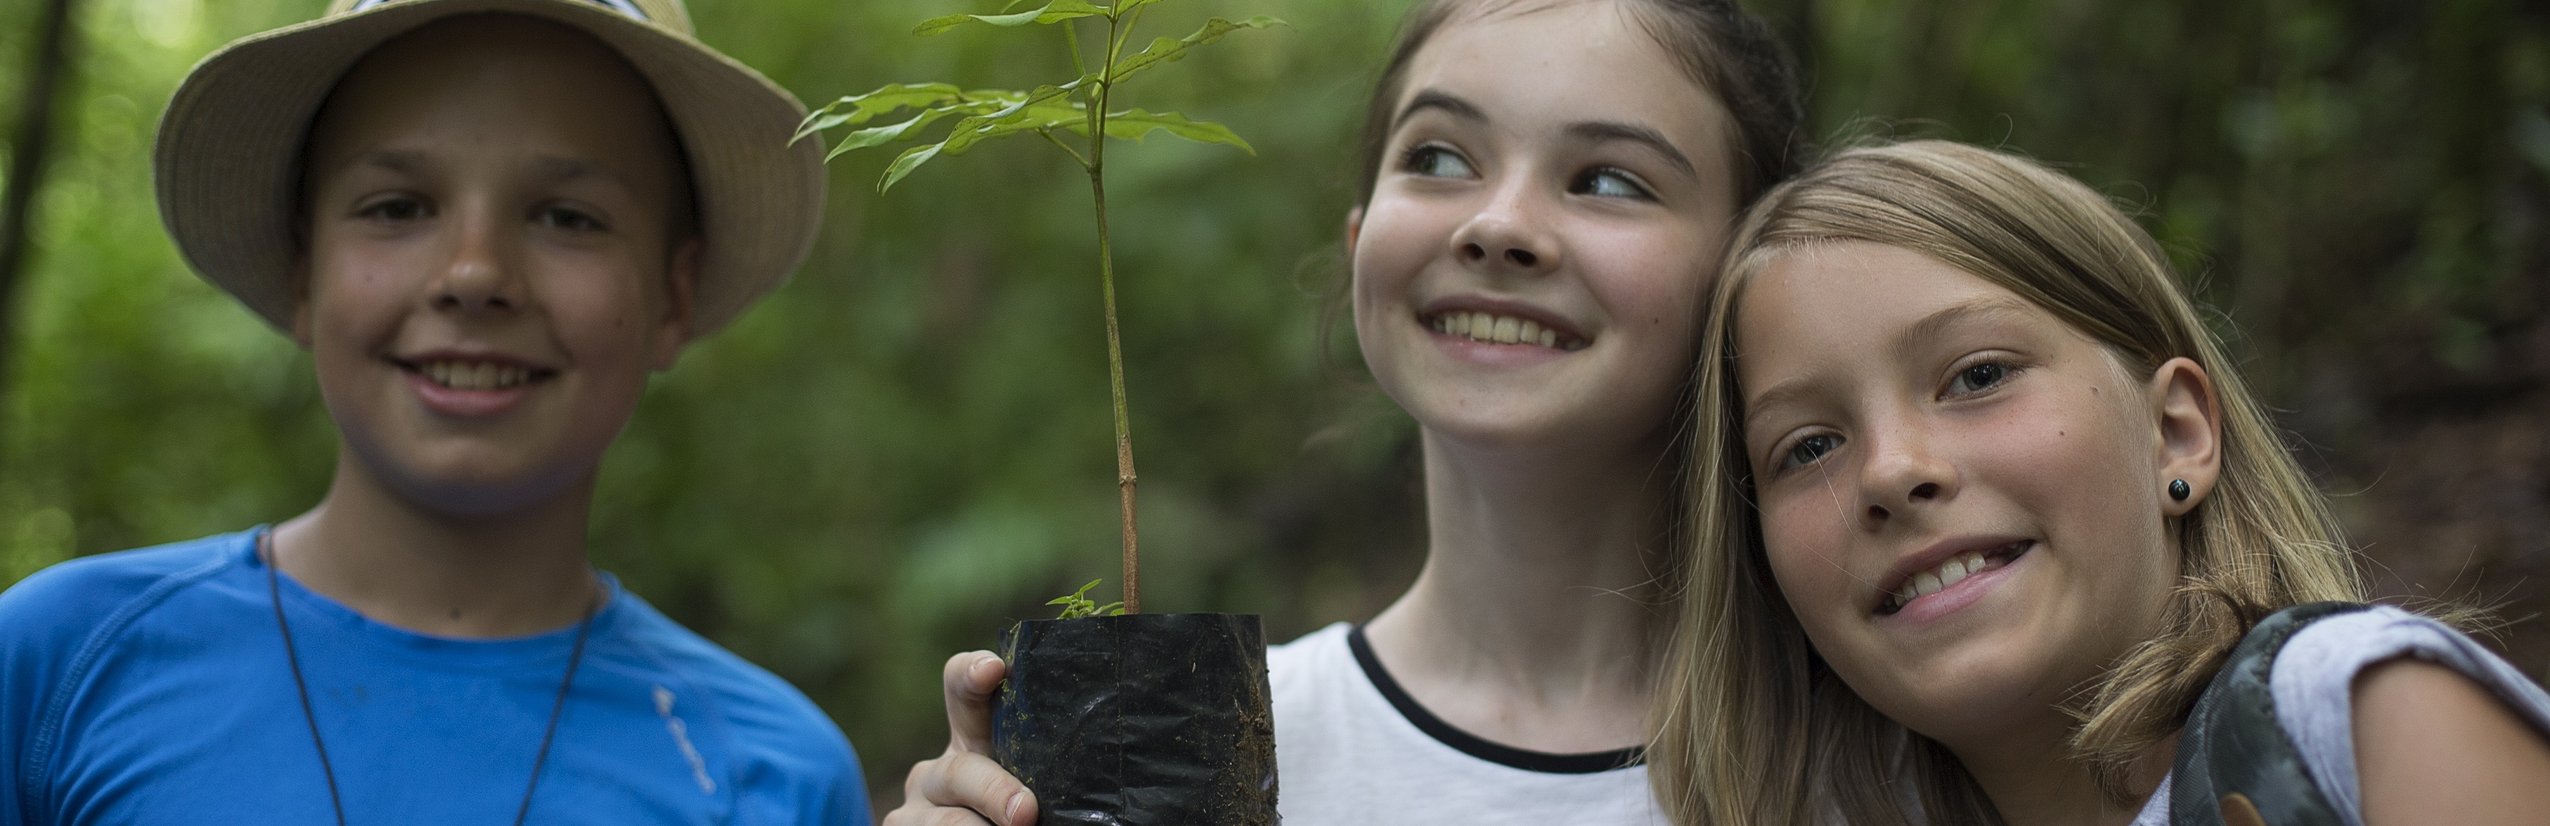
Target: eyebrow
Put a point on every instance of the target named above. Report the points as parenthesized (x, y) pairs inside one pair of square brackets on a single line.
[(1781, 394), (1937, 325), (1435, 99), (394, 160), (1929, 330), (552, 167), (563, 169), (1604, 130), (1592, 131)]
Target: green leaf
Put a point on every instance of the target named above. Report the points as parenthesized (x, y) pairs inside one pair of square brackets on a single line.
[(819, 120), (1044, 116), (1135, 124), (1053, 12), (1039, 95), (1077, 604), (911, 159), (1164, 50), (1043, 108), (894, 96), (858, 109), (881, 135)]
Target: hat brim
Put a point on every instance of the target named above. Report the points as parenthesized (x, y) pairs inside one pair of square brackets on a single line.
[(228, 154)]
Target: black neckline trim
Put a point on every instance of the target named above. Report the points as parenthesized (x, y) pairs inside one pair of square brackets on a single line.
[(1474, 745)]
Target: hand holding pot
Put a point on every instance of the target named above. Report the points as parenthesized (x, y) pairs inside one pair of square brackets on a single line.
[(965, 786)]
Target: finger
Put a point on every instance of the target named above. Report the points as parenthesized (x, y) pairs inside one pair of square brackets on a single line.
[(975, 782), (918, 814), (969, 680)]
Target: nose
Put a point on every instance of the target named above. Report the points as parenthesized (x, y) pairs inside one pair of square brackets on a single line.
[(481, 273), (1509, 233), (1904, 472)]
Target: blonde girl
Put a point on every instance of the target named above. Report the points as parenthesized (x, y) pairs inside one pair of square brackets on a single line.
[(1981, 508)]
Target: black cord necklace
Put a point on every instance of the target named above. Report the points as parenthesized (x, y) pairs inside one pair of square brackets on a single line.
[(274, 594)]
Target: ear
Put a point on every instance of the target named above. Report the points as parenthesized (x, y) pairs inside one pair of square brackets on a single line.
[(2190, 418), (301, 300), (1354, 230), (681, 285)]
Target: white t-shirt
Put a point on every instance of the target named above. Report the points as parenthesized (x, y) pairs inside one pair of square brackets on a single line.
[(1352, 748)]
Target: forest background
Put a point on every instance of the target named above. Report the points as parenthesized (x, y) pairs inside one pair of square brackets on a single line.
[(909, 445)]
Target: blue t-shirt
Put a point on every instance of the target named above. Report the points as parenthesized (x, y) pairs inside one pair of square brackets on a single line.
[(151, 687)]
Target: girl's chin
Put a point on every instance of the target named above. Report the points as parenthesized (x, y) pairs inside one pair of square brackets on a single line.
[(1981, 708), (1553, 436)]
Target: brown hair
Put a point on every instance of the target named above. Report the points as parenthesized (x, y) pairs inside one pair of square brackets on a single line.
[(1751, 724)]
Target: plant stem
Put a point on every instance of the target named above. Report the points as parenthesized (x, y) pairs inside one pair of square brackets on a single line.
[(1071, 35), (1115, 349), (1048, 135)]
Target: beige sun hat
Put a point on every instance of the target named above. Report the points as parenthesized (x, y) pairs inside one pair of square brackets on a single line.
[(229, 147)]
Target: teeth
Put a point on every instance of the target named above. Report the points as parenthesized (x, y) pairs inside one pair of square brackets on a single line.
[(1497, 329), (475, 375), (1951, 572)]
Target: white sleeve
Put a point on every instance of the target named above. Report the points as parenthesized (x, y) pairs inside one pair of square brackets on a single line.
[(2314, 681)]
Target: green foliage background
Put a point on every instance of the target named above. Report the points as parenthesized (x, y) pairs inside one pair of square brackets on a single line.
[(909, 445)]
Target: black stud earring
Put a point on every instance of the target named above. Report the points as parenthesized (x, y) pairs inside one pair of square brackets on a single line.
[(2179, 491)]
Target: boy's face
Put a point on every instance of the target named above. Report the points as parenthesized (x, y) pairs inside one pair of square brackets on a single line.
[(490, 275)]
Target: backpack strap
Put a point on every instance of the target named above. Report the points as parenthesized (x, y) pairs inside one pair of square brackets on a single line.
[(2235, 765)]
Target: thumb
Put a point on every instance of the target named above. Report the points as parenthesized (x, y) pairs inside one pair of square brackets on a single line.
[(969, 680)]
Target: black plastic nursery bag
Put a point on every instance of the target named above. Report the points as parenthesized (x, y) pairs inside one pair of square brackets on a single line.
[(1140, 720)]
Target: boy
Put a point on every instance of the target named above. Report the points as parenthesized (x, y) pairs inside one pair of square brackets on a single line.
[(488, 221)]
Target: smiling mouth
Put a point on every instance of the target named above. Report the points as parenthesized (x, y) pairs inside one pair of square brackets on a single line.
[(1491, 328), (475, 375), (1951, 572)]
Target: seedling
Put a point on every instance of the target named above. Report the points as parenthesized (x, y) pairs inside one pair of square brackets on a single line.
[(1077, 604), (1176, 705), (1075, 116)]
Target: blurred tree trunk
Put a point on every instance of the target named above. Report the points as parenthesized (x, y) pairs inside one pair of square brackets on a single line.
[(50, 72)]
